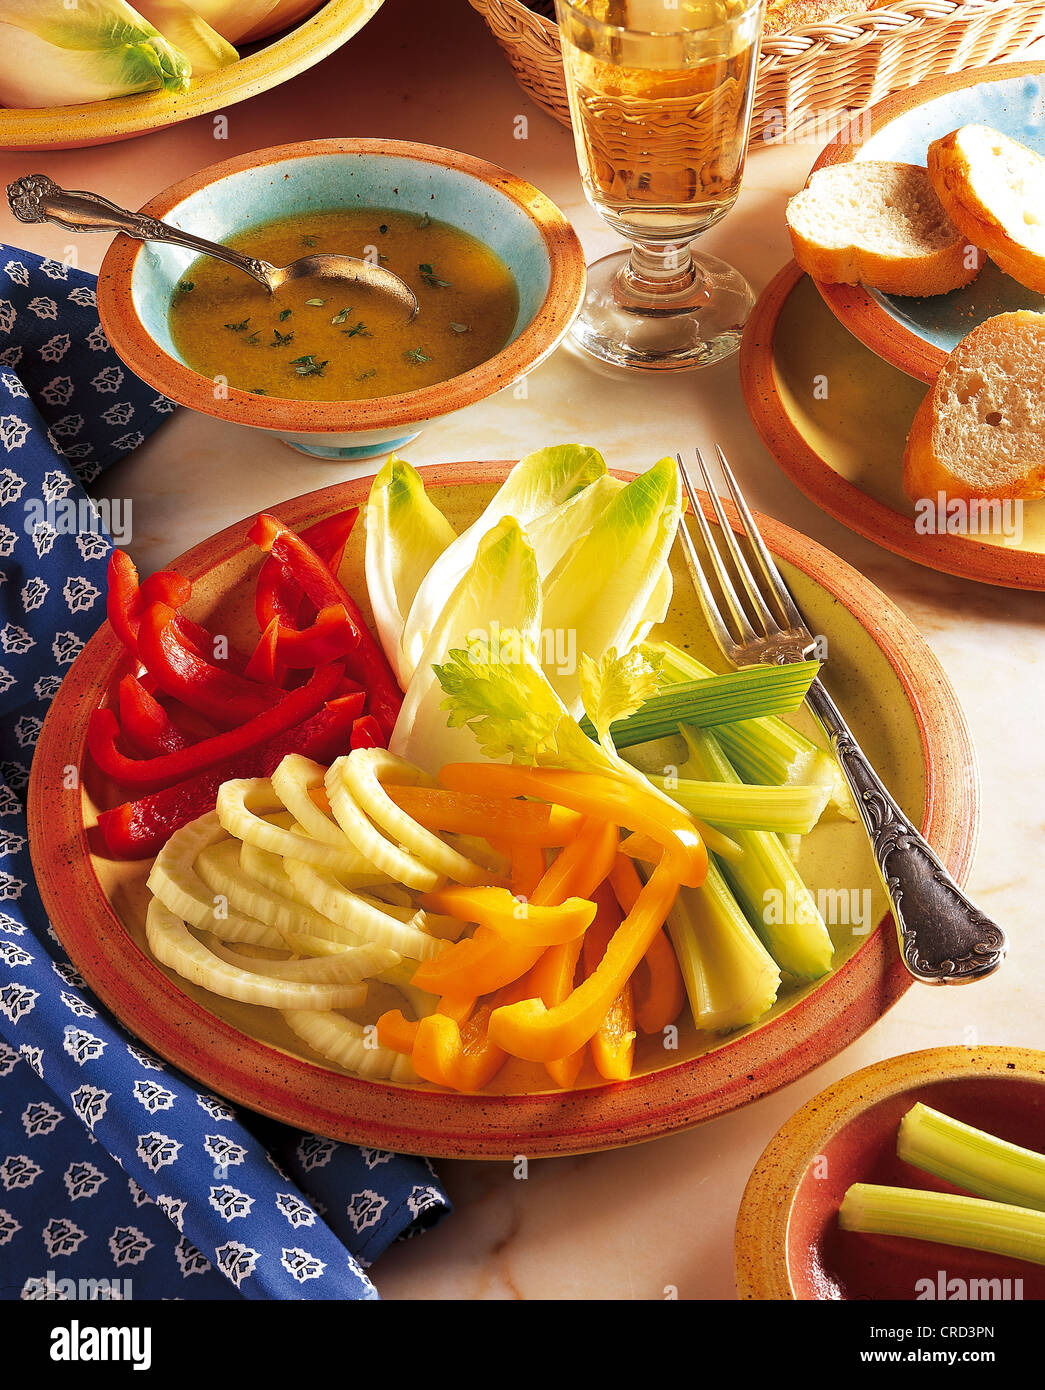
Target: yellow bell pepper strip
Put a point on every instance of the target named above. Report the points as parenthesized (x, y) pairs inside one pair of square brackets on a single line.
[(613, 1042), (531, 1030), (505, 818), (513, 919), (602, 798), (527, 866), (658, 989), (396, 1031), (484, 962), (463, 1056)]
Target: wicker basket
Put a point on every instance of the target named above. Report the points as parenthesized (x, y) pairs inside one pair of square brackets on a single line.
[(819, 68)]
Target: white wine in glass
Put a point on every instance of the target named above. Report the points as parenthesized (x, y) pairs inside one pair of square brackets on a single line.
[(660, 97)]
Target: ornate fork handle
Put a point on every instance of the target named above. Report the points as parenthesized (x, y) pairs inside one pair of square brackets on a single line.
[(944, 938), (37, 198)]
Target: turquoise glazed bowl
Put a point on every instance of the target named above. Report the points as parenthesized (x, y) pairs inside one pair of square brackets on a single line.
[(512, 217), (917, 335)]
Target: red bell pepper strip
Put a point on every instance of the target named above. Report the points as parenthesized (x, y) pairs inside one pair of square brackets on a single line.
[(103, 730), (141, 828), (366, 733), (263, 666), (124, 603), (127, 600), (333, 634), (224, 697), (368, 662), (145, 723), (276, 595)]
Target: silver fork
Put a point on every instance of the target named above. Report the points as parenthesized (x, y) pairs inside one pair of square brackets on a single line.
[(944, 938)]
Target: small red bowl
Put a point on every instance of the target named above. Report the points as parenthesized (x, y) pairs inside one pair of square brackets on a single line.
[(788, 1242)]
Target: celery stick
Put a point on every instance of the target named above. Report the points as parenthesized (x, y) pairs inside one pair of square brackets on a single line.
[(743, 694), (789, 810), (778, 904), (792, 846), (971, 1159), (995, 1227), (764, 750), (731, 980)]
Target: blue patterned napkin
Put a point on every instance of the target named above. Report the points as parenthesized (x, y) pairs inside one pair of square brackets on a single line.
[(118, 1177)]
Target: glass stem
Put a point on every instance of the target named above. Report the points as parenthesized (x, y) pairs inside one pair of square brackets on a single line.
[(658, 269)]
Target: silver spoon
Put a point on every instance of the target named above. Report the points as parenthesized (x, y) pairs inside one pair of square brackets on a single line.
[(37, 198)]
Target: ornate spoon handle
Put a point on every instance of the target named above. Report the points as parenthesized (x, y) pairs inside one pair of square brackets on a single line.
[(944, 938), (37, 198)]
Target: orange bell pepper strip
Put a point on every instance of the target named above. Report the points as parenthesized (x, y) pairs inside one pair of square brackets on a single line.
[(398, 1032), (613, 1042), (462, 1056), (527, 866), (597, 796), (513, 919), (657, 986), (531, 1030), (484, 962), (507, 819)]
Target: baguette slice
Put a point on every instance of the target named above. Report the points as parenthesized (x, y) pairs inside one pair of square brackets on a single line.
[(993, 188), (980, 431), (880, 224)]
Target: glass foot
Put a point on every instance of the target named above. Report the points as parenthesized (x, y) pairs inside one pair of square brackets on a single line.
[(698, 323)]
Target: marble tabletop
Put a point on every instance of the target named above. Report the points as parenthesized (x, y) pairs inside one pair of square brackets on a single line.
[(654, 1221)]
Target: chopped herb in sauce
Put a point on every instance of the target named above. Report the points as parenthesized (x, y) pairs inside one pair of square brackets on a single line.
[(280, 339), (423, 221), (308, 366), (358, 330), (341, 316), (459, 327), (238, 327), (316, 303), (429, 276), (308, 241), (285, 314), (416, 355)]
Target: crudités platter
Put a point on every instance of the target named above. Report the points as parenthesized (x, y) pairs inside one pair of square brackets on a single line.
[(844, 447), (892, 691)]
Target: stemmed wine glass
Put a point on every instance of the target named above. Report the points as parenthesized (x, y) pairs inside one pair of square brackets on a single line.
[(660, 96)]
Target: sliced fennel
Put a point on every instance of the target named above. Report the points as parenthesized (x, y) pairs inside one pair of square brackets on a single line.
[(946, 1219), (538, 483), (236, 19), (363, 770), (787, 810), (60, 55), (497, 596), (601, 587), (350, 1045), (778, 904), (405, 535), (174, 880), (347, 967), (731, 979), (248, 823), (220, 868), (347, 916), (173, 945), (971, 1159)]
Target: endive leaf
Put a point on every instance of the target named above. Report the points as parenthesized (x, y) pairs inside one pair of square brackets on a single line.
[(53, 56), (536, 484), (602, 587), (493, 613), (405, 535), (180, 24)]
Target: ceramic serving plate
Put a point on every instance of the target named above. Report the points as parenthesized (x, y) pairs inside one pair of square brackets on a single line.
[(121, 118), (835, 417), (788, 1243), (916, 335), (886, 680)]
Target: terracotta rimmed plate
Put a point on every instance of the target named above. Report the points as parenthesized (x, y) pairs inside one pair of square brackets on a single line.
[(893, 691), (121, 118), (835, 417), (788, 1244), (916, 335)]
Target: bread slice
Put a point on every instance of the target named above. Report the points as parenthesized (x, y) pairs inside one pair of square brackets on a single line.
[(878, 223), (980, 431), (993, 188)]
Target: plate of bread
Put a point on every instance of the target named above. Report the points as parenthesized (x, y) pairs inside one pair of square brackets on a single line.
[(926, 241)]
